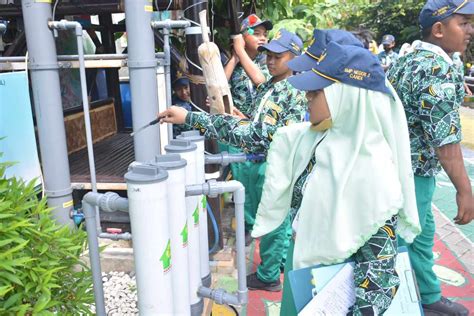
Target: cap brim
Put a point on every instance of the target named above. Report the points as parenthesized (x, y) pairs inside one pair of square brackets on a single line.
[(266, 24), (467, 9), (301, 63), (181, 82), (387, 43), (309, 81), (274, 47)]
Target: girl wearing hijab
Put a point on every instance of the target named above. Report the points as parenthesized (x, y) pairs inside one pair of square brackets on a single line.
[(345, 177)]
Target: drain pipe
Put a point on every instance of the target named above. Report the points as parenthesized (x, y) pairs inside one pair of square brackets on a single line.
[(45, 84), (166, 26), (77, 27), (108, 202), (212, 189), (142, 67), (186, 150), (224, 158), (196, 138)]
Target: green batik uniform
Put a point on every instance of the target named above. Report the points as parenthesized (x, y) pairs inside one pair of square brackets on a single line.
[(277, 105), (244, 92), (430, 86), (375, 278)]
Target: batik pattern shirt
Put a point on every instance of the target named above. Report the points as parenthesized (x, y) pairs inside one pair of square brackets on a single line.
[(430, 86), (281, 105), (242, 89)]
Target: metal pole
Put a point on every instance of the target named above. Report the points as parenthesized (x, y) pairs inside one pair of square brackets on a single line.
[(142, 64), (76, 57), (48, 109)]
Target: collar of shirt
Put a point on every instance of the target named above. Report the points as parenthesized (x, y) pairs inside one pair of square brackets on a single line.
[(420, 45), (278, 86)]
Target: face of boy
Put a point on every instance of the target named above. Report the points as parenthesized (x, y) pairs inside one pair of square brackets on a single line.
[(276, 63), (317, 106), (182, 92), (259, 38), (455, 34)]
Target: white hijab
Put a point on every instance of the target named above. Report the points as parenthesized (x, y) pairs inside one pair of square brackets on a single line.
[(362, 177)]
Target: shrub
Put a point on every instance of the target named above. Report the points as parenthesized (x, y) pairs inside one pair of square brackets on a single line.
[(40, 270)]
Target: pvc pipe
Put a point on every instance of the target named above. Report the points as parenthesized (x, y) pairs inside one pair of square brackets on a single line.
[(48, 108), (147, 192), (195, 137), (77, 27), (143, 83), (186, 149), (176, 168), (212, 189), (94, 257), (123, 236), (76, 57), (224, 158)]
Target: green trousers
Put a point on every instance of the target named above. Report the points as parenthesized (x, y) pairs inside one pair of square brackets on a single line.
[(273, 252), (421, 250), (251, 175)]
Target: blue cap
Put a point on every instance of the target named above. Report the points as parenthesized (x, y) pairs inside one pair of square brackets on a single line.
[(319, 42), (388, 39), (438, 10), (180, 79), (284, 41), (352, 65)]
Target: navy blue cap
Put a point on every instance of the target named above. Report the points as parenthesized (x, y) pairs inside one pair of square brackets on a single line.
[(438, 10), (388, 39), (319, 42), (284, 41), (352, 65), (180, 79)]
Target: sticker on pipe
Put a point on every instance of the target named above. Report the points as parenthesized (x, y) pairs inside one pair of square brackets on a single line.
[(166, 258), (68, 204)]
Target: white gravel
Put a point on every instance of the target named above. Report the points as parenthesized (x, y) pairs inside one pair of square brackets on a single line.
[(120, 292)]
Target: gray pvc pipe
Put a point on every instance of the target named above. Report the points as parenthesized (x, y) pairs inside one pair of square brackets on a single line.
[(76, 57), (166, 26), (94, 257), (143, 84), (224, 158), (48, 109), (213, 188), (76, 26), (123, 236)]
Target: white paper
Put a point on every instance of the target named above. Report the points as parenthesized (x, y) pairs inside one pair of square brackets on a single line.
[(338, 295)]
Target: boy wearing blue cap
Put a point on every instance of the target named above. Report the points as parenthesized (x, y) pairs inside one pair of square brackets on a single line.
[(388, 56), (181, 97), (429, 82), (278, 104), (323, 174)]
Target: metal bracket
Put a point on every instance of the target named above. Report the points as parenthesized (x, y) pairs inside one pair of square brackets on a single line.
[(195, 30)]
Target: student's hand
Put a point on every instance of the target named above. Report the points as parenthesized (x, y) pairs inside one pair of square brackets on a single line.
[(238, 114), (173, 115), (239, 43), (466, 87), (465, 204)]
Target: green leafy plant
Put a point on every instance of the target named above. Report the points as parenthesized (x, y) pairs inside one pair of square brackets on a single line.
[(40, 269)]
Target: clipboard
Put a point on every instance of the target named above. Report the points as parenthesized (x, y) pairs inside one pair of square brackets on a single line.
[(307, 282)]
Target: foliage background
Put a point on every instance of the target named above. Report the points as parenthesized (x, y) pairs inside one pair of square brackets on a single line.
[(396, 17)]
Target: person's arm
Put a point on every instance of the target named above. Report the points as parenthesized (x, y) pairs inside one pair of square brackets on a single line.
[(450, 157), (243, 133), (440, 101), (252, 69), (230, 66)]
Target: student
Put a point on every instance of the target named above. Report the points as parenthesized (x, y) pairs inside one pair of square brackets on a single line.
[(430, 85), (387, 56), (246, 69), (278, 104), (344, 178), (181, 97)]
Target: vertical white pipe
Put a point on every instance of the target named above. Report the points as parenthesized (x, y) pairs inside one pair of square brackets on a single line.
[(176, 168), (187, 152), (196, 138), (147, 192)]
